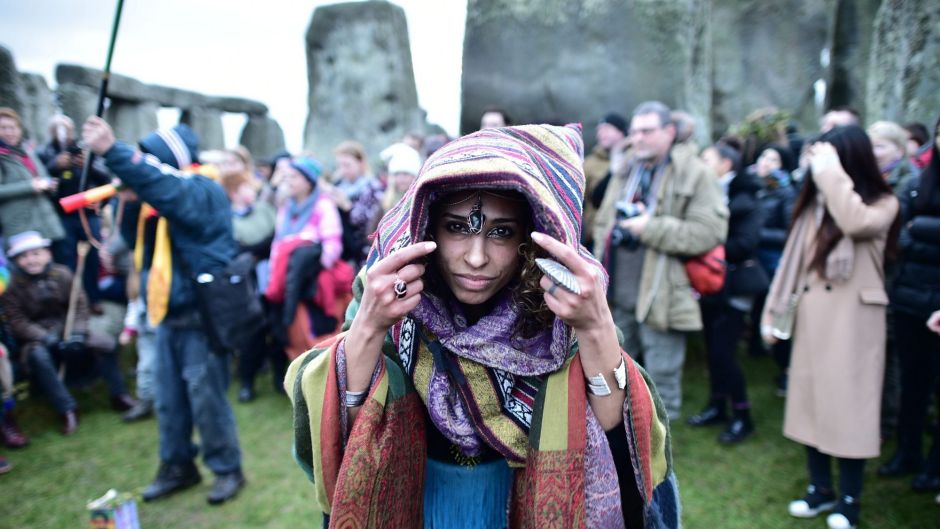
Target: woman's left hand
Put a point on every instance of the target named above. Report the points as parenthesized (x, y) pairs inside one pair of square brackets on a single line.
[(584, 312)]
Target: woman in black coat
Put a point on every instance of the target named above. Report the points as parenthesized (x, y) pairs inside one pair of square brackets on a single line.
[(723, 313), (914, 296)]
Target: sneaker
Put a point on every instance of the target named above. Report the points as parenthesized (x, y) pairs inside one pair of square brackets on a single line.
[(226, 486), (845, 514), (142, 410), (5, 466), (171, 478), (815, 502)]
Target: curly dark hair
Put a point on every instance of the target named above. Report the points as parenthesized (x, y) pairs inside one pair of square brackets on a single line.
[(526, 295)]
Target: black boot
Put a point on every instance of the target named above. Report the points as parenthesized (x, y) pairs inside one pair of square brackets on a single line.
[(226, 486), (714, 413), (172, 477), (738, 429), (900, 464)]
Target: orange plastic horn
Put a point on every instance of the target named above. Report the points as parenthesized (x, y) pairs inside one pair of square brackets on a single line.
[(74, 202)]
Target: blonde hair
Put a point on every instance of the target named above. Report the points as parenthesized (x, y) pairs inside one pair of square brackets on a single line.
[(232, 180), (890, 131), (7, 112), (356, 150)]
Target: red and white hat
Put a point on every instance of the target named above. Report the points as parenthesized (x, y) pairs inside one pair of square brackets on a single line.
[(25, 241)]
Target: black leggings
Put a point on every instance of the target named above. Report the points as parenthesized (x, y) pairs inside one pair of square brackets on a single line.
[(850, 472), (722, 326)]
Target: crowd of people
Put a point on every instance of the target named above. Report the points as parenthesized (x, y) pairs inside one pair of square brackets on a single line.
[(828, 244)]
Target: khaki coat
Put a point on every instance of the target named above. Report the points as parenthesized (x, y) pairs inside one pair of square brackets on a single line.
[(837, 365), (691, 218)]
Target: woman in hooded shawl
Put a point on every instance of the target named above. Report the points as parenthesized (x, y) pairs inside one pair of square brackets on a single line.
[(471, 389)]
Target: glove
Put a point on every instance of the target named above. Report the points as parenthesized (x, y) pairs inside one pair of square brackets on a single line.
[(51, 341), (73, 346)]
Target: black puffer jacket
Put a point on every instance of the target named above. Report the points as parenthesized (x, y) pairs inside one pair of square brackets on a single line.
[(916, 289), (744, 228), (777, 203)]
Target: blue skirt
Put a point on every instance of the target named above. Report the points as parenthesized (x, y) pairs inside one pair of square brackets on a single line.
[(466, 497)]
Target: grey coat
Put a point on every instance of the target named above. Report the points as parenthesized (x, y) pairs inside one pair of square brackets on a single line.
[(21, 207)]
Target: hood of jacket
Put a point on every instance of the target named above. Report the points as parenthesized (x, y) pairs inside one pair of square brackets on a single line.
[(178, 147)]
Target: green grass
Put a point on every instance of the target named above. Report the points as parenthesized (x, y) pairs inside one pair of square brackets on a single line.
[(746, 486)]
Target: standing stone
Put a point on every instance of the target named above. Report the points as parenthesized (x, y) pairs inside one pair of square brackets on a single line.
[(767, 54), (849, 53), (77, 102), (10, 89), (262, 136), (131, 120), (361, 77), (557, 61), (207, 124), (38, 106), (904, 69)]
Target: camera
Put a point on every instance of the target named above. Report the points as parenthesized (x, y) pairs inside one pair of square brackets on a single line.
[(74, 149), (622, 237)]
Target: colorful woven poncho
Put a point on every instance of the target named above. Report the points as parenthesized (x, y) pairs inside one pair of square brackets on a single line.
[(529, 403)]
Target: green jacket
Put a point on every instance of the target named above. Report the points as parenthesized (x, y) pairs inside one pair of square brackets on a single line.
[(21, 207), (690, 219)]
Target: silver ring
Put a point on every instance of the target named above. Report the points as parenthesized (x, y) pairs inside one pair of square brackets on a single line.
[(401, 288), (551, 289)]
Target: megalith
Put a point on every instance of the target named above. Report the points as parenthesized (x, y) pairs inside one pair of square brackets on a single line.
[(361, 80), (262, 136), (904, 69)]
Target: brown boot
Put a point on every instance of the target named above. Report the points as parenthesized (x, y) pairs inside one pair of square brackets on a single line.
[(11, 434), (69, 422)]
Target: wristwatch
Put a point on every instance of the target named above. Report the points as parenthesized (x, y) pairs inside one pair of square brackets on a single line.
[(597, 384)]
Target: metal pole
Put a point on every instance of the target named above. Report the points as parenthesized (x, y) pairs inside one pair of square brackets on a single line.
[(103, 90)]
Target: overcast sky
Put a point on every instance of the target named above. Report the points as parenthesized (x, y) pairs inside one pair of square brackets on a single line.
[(245, 48)]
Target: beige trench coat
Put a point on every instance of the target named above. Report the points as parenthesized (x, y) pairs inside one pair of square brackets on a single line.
[(837, 365)]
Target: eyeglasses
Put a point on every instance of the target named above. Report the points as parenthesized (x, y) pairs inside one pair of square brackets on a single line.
[(644, 132)]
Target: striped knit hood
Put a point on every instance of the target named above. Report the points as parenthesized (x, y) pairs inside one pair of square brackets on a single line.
[(542, 162), (178, 147)]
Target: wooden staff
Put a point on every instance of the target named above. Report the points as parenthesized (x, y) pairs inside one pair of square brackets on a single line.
[(74, 296)]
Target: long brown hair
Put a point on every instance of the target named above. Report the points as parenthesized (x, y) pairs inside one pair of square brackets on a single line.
[(858, 160)]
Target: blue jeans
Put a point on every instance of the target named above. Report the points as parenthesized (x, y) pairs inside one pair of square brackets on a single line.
[(191, 382), (43, 368)]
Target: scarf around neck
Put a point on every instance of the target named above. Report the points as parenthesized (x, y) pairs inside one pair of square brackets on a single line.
[(297, 215)]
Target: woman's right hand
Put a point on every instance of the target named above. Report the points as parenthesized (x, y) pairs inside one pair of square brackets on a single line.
[(381, 306)]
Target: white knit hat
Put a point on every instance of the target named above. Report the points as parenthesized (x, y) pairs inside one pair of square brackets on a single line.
[(402, 158)]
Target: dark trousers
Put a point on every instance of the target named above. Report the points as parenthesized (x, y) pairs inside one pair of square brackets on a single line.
[(252, 358), (722, 326), (919, 352), (191, 385), (64, 251), (850, 472), (43, 366)]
